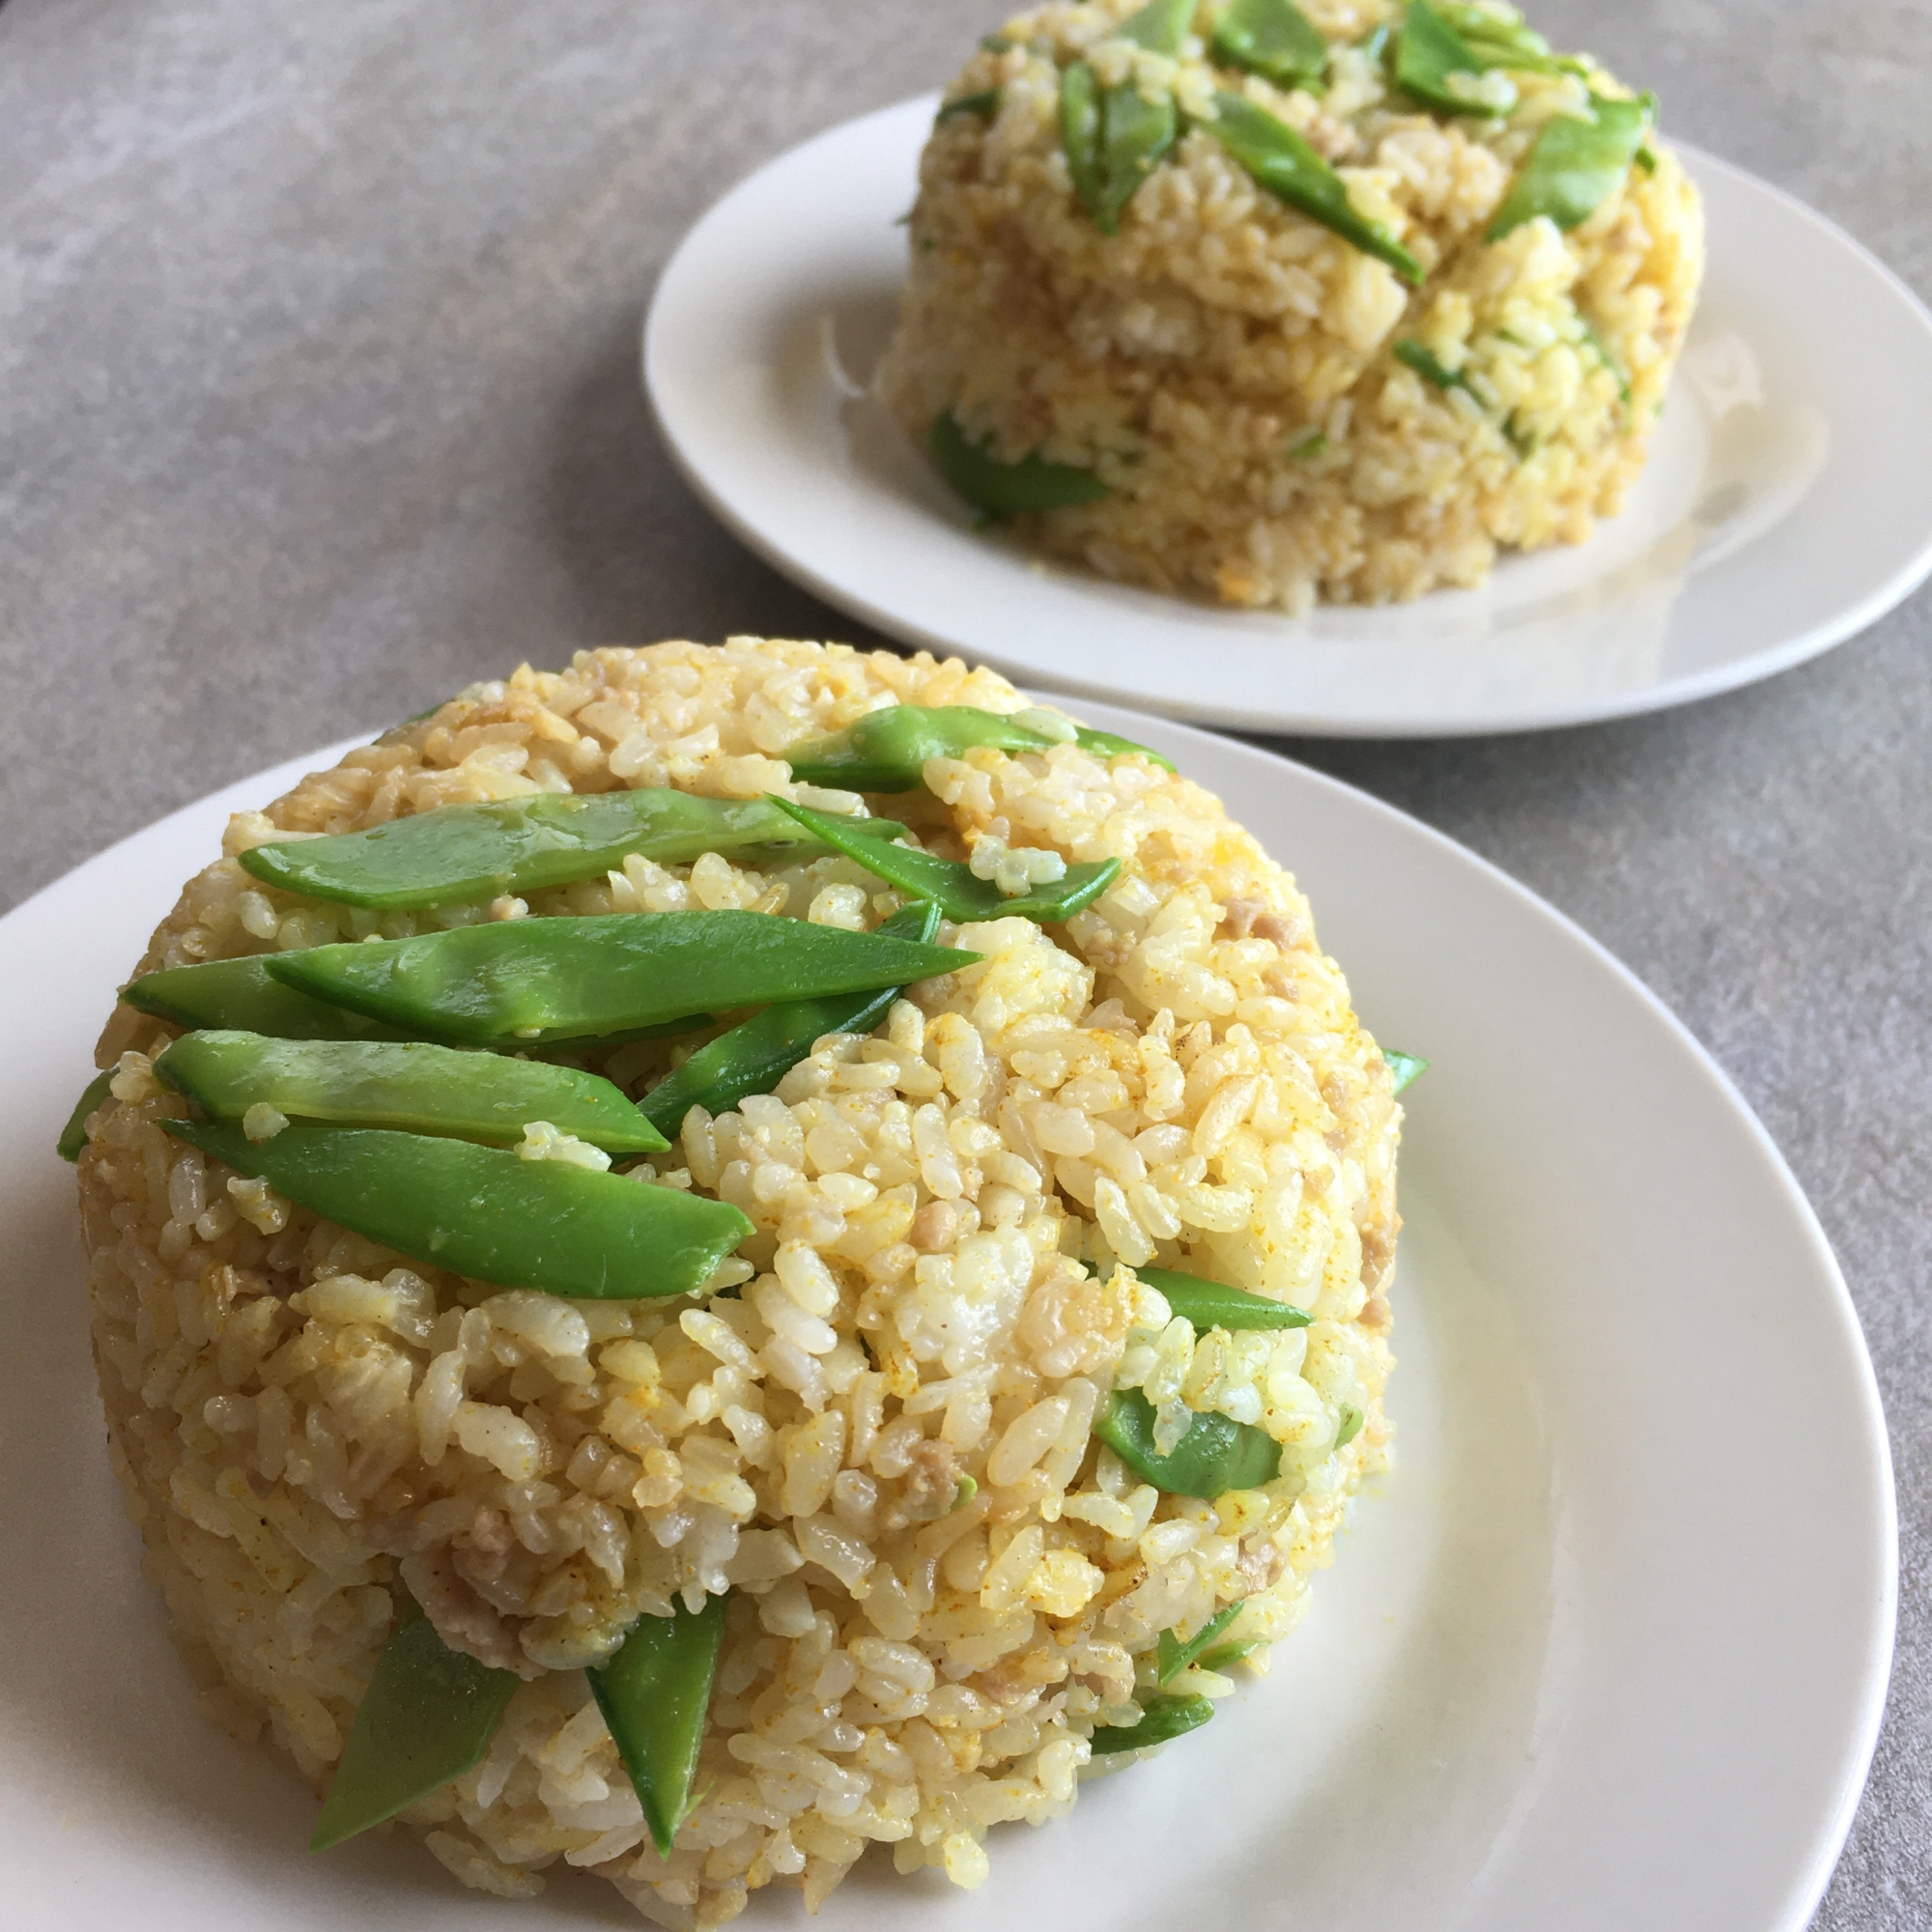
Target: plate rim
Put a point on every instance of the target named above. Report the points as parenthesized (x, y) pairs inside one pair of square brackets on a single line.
[(1688, 688), (1808, 1882)]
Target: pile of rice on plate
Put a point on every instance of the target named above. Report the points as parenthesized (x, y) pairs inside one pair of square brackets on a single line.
[(1277, 416), (305, 1421)]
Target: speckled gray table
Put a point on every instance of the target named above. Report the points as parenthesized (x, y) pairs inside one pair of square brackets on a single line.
[(317, 399)]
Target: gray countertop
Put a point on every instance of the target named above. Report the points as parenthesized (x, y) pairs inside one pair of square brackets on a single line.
[(317, 399)]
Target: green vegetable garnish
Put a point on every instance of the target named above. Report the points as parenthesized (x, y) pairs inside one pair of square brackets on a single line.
[(1408, 1068), (1310, 447), (753, 1057), (486, 1213), (1225, 1655), (1208, 1304), (887, 749), (242, 995), (515, 981), (1115, 137), (1275, 39), (460, 853), (984, 105), (434, 1090), (951, 885), (653, 1694), (1165, 1717), (427, 1717), (1216, 1454), (1285, 164), (1576, 166), (1349, 1426), (94, 1097), (1498, 38), (1416, 357), (1174, 1657), (1431, 55), (1608, 360), (1008, 489)]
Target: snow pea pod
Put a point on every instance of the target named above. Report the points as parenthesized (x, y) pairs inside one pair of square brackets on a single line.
[(1209, 1304), (486, 1213), (1408, 1068), (241, 994), (951, 885), (887, 749), (1081, 116), (1349, 1425), (1163, 1717), (1413, 356), (1174, 1657), (1436, 64), (1216, 1454), (755, 1056), (1285, 164), (460, 853), (1115, 137), (517, 982), (427, 1717), (1576, 166), (1275, 39), (1006, 489), (984, 107), (94, 1097), (431, 1090), (653, 1694)]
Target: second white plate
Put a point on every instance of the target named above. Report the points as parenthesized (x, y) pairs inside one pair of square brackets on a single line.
[(1787, 503), (1607, 1650)]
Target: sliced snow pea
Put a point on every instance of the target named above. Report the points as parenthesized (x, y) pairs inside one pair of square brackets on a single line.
[(1080, 115), (431, 1090), (486, 1213), (1115, 137), (1216, 1454), (1135, 136), (1501, 38), (1601, 350), (887, 749), (1275, 39), (984, 105), (1408, 1068), (1163, 1717), (1006, 489), (755, 1056), (462, 853), (515, 981), (1225, 1655), (428, 1716), (653, 1694), (1174, 1657), (242, 994), (951, 885), (1349, 1426), (1209, 1304), (94, 1097), (1160, 26), (1414, 357), (1431, 58), (1576, 166), (1285, 164)]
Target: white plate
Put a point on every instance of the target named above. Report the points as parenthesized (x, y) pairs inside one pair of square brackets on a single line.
[(1787, 503), (1607, 1651)]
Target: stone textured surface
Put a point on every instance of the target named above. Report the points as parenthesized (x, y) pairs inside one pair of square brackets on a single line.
[(317, 391)]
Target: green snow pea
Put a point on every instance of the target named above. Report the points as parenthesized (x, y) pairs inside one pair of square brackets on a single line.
[(1275, 39), (430, 1090), (1216, 1454), (1115, 137), (1576, 166), (1006, 489), (486, 1213), (1430, 55), (1414, 357), (94, 1097), (428, 1715), (1601, 349), (1163, 1717), (1174, 1657), (1349, 1426), (1500, 39), (1209, 1304), (887, 749), (653, 1694), (515, 981), (1285, 164), (1224, 1654), (755, 1056), (951, 885), (1408, 1068), (462, 853), (242, 995)]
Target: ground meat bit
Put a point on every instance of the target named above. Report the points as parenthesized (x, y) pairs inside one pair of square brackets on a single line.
[(931, 1482), (933, 1227), (1375, 1315), (1377, 1253), (1237, 918)]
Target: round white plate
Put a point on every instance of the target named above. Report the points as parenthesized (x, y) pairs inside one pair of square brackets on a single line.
[(1606, 1650), (1787, 503)]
